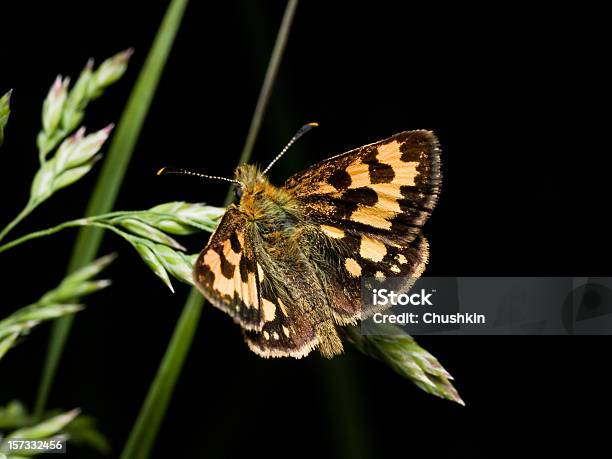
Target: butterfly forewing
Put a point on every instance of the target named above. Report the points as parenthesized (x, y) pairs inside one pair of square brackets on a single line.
[(225, 272), (388, 188)]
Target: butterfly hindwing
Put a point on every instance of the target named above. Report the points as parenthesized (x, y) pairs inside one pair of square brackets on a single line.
[(366, 256), (225, 272), (284, 334), (295, 313)]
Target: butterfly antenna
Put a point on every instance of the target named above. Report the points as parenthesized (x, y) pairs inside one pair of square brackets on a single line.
[(171, 170), (303, 130)]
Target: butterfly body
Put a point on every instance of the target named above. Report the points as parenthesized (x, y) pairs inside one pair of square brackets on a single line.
[(286, 262)]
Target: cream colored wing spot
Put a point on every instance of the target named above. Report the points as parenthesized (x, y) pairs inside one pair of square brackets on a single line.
[(360, 174), (241, 288), (379, 275), (352, 267), (388, 190), (401, 259), (371, 249), (275, 335), (405, 171), (212, 260), (388, 195), (266, 335), (268, 309), (332, 231), (251, 290), (221, 284), (388, 152), (286, 331), (396, 269), (378, 218), (230, 255), (260, 273)]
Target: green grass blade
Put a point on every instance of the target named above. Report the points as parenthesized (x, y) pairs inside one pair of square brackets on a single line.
[(268, 83), (340, 385), (145, 429), (5, 102), (111, 176)]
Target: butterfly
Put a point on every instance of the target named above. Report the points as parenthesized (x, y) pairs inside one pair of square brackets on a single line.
[(286, 262)]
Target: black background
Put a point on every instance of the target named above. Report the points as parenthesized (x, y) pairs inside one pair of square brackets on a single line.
[(512, 91)]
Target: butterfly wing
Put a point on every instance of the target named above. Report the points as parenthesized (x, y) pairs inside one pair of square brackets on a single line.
[(229, 276), (226, 271), (365, 256), (284, 333), (371, 204), (387, 188), (295, 312)]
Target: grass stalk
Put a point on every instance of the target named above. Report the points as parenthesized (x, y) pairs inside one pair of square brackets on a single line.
[(268, 83), (111, 176), (142, 437), (13, 223), (43, 233), (341, 385)]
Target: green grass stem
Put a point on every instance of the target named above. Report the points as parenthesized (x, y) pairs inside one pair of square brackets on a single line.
[(142, 437)]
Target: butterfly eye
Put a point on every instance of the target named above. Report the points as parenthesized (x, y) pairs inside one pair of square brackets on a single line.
[(238, 192)]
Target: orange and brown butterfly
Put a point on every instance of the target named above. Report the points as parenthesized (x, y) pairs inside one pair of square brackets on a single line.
[(286, 262)]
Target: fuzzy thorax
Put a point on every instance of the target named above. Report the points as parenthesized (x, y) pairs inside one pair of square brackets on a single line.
[(260, 199)]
